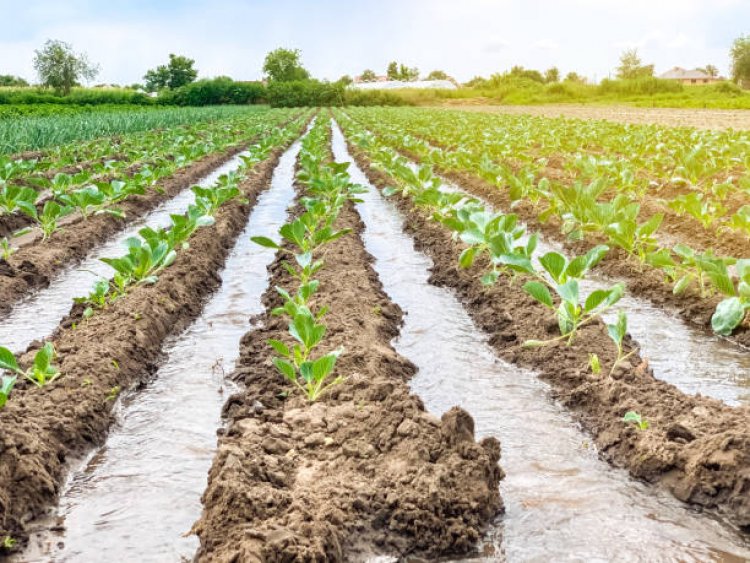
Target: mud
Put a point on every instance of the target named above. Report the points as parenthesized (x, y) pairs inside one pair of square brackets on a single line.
[(34, 265), (365, 471), (44, 430), (696, 447)]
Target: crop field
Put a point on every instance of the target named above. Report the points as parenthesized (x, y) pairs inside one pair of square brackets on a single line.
[(372, 334)]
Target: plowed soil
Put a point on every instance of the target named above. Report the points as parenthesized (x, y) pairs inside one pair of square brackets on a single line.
[(43, 430), (696, 447), (363, 471)]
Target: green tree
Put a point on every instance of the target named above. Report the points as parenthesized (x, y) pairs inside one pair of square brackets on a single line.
[(178, 72), (631, 66), (711, 70), (284, 65), (575, 77), (740, 55), (408, 74), (10, 80), (392, 72), (552, 75), (61, 68), (438, 75), (520, 72), (368, 76)]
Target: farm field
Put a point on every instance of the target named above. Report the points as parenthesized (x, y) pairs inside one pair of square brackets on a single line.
[(668, 117), (374, 334)]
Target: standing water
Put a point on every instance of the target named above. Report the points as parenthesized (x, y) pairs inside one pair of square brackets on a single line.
[(138, 495), (688, 358), (563, 503), (40, 312)]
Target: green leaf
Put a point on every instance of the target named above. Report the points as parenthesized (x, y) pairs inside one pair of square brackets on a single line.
[(539, 292), (682, 284), (595, 299), (279, 346), (8, 360), (285, 368), (728, 315), (467, 257), (554, 263), (569, 291)]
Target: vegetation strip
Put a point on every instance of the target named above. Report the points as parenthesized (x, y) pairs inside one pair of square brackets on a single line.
[(696, 275), (33, 266), (113, 350), (698, 448), (364, 469)]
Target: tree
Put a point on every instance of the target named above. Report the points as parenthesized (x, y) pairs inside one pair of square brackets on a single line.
[(345, 80), (711, 70), (10, 80), (552, 75), (575, 77), (61, 68), (408, 74), (631, 66), (392, 72), (438, 75), (520, 72), (284, 65), (368, 76), (178, 72), (740, 55)]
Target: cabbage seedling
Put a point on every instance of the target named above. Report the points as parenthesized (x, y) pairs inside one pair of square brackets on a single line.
[(42, 371), (6, 386), (617, 332), (633, 417)]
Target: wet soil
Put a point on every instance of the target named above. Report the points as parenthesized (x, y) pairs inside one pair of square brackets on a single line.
[(696, 447), (118, 349), (34, 265), (366, 470)]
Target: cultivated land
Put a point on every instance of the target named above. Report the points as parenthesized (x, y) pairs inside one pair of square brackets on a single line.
[(599, 273), (668, 117)]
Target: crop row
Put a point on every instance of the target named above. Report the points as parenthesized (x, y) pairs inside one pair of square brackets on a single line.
[(33, 133), (583, 212), (44, 201), (146, 257)]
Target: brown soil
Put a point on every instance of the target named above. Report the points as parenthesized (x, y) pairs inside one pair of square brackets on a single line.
[(119, 348), (642, 280), (696, 447), (671, 117), (33, 266), (366, 470)]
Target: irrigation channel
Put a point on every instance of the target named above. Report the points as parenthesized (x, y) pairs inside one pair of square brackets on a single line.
[(562, 502), (40, 312), (136, 497), (690, 359)]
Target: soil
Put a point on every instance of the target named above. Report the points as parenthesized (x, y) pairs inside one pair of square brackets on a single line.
[(696, 447), (363, 471), (45, 429), (671, 117), (642, 281), (34, 265)]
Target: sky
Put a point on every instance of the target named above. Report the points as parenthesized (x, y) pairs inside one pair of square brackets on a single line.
[(465, 38)]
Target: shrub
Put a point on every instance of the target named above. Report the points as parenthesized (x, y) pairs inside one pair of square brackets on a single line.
[(639, 86), (216, 91)]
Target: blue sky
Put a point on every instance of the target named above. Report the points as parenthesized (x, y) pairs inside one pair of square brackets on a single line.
[(463, 37)]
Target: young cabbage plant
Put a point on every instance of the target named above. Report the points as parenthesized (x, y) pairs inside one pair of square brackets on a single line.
[(617, 332), (17, 198), (731, 311), (6, 250), (562, 276), (310, 375), (48, 219), (97, 299), (698, 206), (143, 262), (632, 417), (88, 200), (6, 386), (41, 372)]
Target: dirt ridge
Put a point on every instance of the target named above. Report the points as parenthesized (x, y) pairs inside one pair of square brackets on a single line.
[(697, 447), (364, 471), (119, 348)]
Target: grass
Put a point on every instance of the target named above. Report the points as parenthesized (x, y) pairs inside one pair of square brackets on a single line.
[(640, 93)]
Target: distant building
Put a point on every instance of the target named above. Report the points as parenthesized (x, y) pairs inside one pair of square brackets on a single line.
[(694, 76), (397, 84)]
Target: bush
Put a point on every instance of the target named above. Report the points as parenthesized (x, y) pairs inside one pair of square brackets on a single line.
[(639, 86), (77, 96), (726, 87), (353, 97), (304, 93), (216, 91)]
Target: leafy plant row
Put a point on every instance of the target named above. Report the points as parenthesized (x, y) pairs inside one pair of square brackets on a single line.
[(506, 250), (98, 189), (584, 210), (327, 188), (147, 255)]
